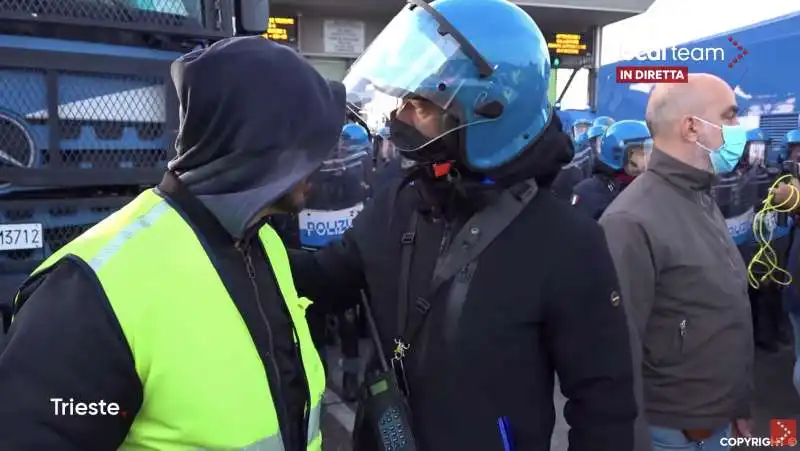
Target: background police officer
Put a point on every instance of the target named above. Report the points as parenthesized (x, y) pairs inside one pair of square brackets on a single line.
[(623, 156), (336, 195), (580, 166), (791, 295), (771, 326), (595, 137)]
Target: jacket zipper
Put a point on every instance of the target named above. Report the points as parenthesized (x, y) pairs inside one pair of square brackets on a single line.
[(682, 330), (251, 274)]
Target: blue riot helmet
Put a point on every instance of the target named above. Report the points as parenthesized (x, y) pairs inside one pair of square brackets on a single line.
[(756, 149), (792, 143), (580, 126), (453, 88), (626, 146), (604, 121), (354, 139), (354, 145), (595, 137)]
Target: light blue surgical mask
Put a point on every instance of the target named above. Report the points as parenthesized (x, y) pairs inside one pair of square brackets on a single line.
[(725, 157)]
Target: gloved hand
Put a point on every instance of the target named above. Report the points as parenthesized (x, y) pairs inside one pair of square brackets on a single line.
[(787, 195)]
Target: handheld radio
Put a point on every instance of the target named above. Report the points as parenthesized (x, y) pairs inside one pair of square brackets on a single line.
[(383, 402)]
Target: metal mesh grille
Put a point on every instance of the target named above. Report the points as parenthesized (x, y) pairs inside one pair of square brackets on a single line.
[(104, 121), (62, 221), (163, 13)]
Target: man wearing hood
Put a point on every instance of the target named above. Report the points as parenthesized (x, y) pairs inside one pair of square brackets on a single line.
[(467, 260), (174, 324)]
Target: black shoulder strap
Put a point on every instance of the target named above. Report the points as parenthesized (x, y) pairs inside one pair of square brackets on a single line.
[(406, 252), (481, 230), (471, 241)]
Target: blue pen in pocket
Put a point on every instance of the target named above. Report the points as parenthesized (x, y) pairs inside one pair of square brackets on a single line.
[(505, 433)]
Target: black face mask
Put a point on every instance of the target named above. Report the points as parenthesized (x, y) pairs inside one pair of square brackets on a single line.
[(409, 142)]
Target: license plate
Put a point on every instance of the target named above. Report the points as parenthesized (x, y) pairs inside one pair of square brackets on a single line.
[(14, 237)]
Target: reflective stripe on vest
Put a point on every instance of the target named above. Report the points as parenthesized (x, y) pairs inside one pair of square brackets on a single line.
[(203, 380)]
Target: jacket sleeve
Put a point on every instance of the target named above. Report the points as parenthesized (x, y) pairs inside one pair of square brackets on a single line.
[(588, 339), (65, 344), (633, 259), (634, 262), (333, 276), (587, 199)]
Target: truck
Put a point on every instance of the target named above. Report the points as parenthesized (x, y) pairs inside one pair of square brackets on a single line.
[(88, 114), (747, 44)]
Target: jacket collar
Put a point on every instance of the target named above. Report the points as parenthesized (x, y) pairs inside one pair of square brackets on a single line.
[(678, 173)]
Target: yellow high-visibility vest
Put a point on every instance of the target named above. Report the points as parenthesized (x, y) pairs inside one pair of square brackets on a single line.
[(204, 383)]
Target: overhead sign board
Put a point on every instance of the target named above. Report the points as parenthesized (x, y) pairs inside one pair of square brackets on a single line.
[(344, 36), (282, 29), (575, 44)]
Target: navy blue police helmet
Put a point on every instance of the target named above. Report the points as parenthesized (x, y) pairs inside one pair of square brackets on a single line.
[(756, 148), (619, 138), (604, 121), (495, 95)]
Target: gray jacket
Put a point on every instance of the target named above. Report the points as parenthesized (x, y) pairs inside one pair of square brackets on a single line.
[(685, 286)]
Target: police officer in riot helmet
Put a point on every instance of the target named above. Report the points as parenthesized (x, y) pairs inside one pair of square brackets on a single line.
[(791, 293), (335, 196), (770, 322), (467, 260), (624, 151), (576, 170), (388, 162), (594, 137), (736, 192)]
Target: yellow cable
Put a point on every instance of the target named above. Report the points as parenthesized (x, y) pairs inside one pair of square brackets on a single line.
[(765, 258)]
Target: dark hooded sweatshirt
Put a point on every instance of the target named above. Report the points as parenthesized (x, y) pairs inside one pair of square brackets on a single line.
[(256, 119), (541, 301)]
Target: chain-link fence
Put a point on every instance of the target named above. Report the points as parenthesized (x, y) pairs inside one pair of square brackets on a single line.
[(163, 15)]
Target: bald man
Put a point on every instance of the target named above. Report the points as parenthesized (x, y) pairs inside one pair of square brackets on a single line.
[(683, 280)]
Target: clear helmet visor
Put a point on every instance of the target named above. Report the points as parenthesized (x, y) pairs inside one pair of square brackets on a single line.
[(340, 165), (637, 155), (580, 128), (756, 152), (413, 73)]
